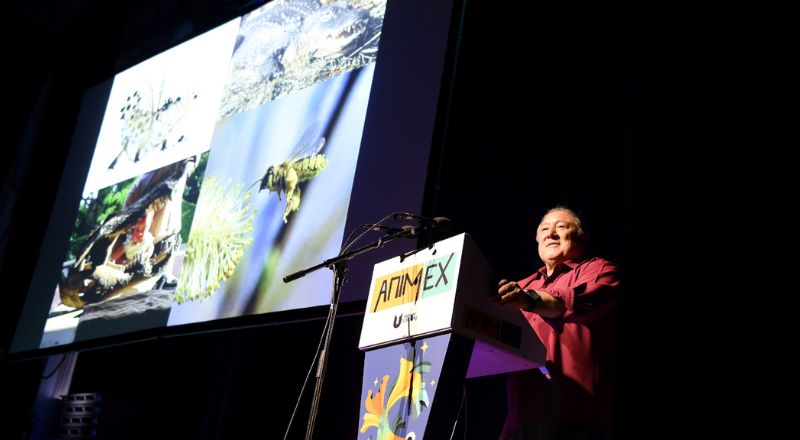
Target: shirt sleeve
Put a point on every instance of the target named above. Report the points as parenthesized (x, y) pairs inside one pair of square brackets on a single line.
[(591, 293)]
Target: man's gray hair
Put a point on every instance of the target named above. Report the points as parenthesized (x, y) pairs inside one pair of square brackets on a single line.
[(578, 222)]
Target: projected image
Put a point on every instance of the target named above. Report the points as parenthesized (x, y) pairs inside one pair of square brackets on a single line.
[(122, 253), (217, 168), (274, 200), (162, 109), (305, 162), (288, 45)]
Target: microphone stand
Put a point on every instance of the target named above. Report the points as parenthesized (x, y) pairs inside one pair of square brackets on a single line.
[(339, 266)]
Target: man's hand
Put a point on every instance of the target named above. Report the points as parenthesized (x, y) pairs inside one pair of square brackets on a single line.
[(509, 292)]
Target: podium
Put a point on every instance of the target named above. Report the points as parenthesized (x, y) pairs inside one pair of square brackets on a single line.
[(430, 323)]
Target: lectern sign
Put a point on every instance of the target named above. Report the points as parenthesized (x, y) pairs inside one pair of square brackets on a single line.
[(430, 321), (412, 296)]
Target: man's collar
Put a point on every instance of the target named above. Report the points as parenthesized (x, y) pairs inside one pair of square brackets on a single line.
[(561, 267)]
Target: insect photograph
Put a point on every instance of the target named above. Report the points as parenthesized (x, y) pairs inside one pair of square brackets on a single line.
[(150, 125), (296, 156), (160, 110), (305, 162)]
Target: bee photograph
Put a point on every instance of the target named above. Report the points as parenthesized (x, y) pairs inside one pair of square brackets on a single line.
[(279, 178), (305, 162)]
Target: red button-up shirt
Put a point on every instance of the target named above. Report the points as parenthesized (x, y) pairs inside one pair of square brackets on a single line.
[(580, 349)]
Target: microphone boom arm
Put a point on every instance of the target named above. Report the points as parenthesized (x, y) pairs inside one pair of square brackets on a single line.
[(339, 267), (331, 262)]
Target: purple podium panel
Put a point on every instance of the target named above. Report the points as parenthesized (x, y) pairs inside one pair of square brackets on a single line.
[(398, 388)]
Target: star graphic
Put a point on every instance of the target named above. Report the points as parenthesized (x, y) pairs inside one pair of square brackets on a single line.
[(425, 346), (375, 382), (433, 382)]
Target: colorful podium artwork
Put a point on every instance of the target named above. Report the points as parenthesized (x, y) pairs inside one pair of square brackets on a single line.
[(430, 323), (403, 383)]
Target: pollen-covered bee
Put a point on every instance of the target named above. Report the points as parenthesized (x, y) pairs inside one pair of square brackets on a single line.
[(304, 163)]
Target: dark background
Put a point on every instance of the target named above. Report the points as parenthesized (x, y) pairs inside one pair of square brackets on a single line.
[(537, 108)]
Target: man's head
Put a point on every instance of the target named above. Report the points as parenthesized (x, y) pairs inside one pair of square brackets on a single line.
[(560, 237)]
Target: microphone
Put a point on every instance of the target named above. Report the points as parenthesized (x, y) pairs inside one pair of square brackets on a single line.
[(435, 222), (407, 230)]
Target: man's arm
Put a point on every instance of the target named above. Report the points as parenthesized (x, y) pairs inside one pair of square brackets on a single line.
[(597, 283), (591, 293), (548, 306)]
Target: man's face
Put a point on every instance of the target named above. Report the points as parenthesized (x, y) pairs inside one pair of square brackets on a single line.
[(558, 239)]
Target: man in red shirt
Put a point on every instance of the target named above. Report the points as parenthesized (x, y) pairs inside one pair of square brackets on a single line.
[(570, 303)]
